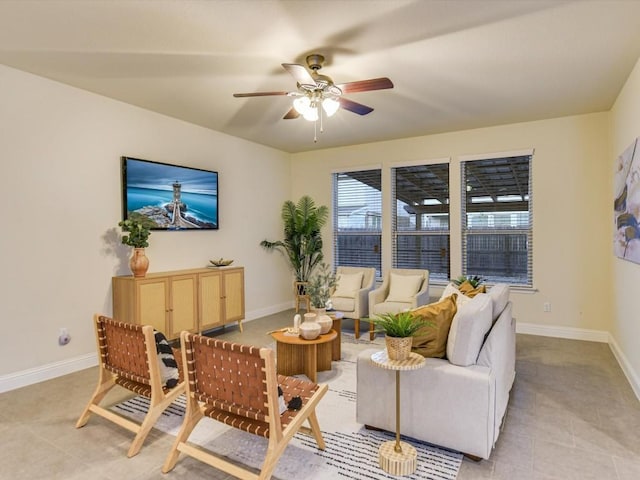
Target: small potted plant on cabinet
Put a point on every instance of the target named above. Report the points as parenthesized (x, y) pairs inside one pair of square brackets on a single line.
[(399, 329), (138, 228)]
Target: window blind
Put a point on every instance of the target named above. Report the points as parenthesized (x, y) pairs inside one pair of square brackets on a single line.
[(357, 219), (420, 218), (497, 219)]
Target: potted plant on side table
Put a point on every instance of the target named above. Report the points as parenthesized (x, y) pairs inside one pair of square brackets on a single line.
[(138, 228), (319, 291), (399, 329)]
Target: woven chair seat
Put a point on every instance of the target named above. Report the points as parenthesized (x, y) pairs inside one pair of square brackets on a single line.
[(238, 385)]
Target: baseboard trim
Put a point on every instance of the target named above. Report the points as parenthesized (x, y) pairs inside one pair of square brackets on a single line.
[(631, 375), (571, 333), (46, 372), (30, 376)]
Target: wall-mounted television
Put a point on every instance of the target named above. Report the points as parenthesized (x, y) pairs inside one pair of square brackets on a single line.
[(172, 196)]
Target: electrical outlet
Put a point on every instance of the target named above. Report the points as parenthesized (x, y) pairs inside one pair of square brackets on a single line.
[(64, 337), (547, 306)]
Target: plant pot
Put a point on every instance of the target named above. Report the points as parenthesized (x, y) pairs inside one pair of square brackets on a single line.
[(398, 348), (139, 263)]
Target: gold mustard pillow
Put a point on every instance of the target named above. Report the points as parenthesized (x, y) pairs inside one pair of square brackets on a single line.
[(467, 289), (431, 340)]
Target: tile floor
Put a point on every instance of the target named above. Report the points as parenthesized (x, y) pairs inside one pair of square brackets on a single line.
[(572, 415)]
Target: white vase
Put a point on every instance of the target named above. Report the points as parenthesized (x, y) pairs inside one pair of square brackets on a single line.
[(309, 329), (325, 323)]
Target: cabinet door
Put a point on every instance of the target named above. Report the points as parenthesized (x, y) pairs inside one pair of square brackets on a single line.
[(210, 285), (183, 305), (153, 301), (234, 295)]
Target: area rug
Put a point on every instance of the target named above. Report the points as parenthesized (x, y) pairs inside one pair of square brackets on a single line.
[(351, 451)]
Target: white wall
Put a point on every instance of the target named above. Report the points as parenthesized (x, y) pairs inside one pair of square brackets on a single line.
[(625, 328), (571, 199), (60, 149)]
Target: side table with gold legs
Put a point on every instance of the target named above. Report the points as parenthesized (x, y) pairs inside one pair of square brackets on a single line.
[(396, 457)]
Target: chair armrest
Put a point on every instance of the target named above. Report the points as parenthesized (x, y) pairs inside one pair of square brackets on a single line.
[(377, 295), (422, 297)]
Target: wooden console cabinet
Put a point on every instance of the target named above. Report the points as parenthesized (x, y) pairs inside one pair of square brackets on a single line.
[(193, 300)]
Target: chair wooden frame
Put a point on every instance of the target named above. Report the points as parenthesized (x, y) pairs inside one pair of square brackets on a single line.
[(127, 357), (238, 385)]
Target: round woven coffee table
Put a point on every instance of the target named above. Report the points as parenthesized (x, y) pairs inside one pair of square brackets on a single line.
[(396, 457)]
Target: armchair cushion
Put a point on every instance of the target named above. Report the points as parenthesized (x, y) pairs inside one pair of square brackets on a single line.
[(431, 340), (348, 285), (389, 307), (403, 287), (343, 304)]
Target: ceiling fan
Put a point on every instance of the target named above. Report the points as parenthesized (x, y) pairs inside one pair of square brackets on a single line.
[(315, 90)]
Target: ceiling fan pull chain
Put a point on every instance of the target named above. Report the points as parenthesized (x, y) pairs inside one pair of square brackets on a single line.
[(315, 132)]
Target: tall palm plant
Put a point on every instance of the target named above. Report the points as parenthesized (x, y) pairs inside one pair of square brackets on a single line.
[(302, 242)]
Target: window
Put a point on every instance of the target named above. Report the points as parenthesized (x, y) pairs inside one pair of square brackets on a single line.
[(497, 219), (357, 219), (420, 218)]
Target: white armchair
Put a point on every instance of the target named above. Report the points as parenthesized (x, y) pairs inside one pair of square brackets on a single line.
[(401, 289), (351, 295)]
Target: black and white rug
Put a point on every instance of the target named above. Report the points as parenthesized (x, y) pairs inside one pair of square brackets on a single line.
[(351, 451)]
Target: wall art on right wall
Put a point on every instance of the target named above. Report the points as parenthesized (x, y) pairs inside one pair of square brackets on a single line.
[(626, 205)]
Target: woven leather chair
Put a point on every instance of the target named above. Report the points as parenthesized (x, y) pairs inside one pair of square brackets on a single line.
[(238, 385), (128, 358)]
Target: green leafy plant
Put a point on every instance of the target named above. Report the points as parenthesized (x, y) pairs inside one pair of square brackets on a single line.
[(320, 285), (139, 228), (474, 280), (302, 242), (402, 324)]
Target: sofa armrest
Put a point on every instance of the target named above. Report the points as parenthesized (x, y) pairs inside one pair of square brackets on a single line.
[(362, 303), (499, 354), (440, 403)]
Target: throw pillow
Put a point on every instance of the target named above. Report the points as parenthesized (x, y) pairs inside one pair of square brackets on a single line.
[(471, 291), (468, 329), (451, 289), (166, 361), (431, 340), (403, 287), (348, 284)]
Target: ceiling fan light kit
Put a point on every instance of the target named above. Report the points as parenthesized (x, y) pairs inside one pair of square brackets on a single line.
[(318, 94)]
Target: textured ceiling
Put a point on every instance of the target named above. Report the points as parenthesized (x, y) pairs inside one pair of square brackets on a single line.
[(455, 64)]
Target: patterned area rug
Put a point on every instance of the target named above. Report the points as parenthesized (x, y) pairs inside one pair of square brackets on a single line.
[(351, 450)]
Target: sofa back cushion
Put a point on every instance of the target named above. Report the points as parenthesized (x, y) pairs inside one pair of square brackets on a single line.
[(451, 289), (431, 340), (468, 328), (499, 294)]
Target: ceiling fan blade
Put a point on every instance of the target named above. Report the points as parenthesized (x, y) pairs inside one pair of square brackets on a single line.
[(301, 74), (259, 94), (366, 85), (354, 107), (293, 113)]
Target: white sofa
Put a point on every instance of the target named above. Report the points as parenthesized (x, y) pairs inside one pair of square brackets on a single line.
[(457, 405)]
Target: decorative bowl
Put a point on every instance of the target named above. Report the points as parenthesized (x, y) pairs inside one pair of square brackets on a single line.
[(309, 330), (325, 323), (221, 262)]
